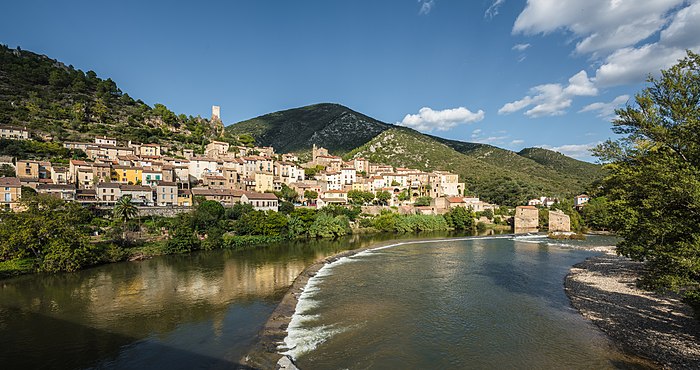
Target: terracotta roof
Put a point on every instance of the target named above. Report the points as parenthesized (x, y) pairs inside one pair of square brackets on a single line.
[(334, 200), (527, 207), (55, 187), (224, 192), (166, 183), (108, 185), (260, 196), (10, 181), (455, 200), (135, 188)]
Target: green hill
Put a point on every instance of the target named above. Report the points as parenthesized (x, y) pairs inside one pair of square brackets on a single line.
[(562, 163), (333, 126), (65, 103), (494, 174), (538, 161)]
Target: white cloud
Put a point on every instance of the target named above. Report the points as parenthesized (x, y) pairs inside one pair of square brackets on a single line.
[(492, 11), (426, 6), (633, 65), (616, 34), (496, 138), (599, 25), (516, 142), (552, 99), (578, 151), (428, 119), (606, 110), (521, 47)]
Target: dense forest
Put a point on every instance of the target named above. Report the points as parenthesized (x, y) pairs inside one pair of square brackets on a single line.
[(67, 104)]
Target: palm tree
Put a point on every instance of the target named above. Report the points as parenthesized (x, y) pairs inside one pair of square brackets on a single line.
[(124, 210)]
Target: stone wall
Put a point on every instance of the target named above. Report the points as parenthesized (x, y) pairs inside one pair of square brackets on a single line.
[(559, 221), (526, 220), (163, 211)]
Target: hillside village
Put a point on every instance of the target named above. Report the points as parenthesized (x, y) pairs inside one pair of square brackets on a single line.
[(153, 176)]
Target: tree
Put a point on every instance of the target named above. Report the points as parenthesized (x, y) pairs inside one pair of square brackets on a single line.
[(359, 197), (311, 195), (124, 209), (50, 231), (422, 201), (287, 193), (653, 186), (596, 214), (207, 214), (460, 218), (7, 171), (383, 197)]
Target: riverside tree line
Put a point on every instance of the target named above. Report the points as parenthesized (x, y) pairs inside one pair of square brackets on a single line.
[(51, 235)]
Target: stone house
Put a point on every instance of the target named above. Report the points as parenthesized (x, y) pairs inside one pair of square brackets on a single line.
[(261, 201), (166, 193), (10, 192)]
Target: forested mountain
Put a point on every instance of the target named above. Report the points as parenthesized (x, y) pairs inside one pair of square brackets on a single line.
[(333, 126), (64, 103)]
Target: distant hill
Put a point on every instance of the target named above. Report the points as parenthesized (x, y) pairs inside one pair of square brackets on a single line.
[(495, 174), (65, 103), (333, 126)]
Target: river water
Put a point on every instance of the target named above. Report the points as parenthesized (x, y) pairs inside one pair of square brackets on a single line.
[(454, 304), (200, 310), (434, 305)]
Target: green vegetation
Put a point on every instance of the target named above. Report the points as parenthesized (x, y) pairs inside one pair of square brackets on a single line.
[(359, 197), (460, 218), (297, 129), (68, 104), (52, 233), (32, 149), (653, 187), (393, 222), (7, 171)]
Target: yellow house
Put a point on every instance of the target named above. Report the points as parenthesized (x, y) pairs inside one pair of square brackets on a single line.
[(10, 192), (264, 182), (184, 198), (127, 174)]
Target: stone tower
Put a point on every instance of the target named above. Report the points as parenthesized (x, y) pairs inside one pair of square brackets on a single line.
[(216, 122)]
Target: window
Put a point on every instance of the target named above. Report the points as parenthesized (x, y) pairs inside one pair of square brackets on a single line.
[(8, 197)]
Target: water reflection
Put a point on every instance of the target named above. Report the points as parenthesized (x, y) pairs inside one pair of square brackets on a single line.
[(199, 310)]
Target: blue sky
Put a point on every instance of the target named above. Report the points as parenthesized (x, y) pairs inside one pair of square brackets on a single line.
[(510, 73)]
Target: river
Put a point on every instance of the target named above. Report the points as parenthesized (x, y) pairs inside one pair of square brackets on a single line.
[(200, 310), (448, 304), (454, 304)]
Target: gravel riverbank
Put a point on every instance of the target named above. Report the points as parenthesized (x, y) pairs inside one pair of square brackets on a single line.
[(658, 327)]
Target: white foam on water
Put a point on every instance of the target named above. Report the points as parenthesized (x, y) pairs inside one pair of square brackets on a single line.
[(302, 339)]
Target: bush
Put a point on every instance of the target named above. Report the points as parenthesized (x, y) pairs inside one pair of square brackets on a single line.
[(327, 226), (240, 242)]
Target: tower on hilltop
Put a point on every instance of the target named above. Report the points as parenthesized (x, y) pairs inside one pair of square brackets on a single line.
[(216, 122)]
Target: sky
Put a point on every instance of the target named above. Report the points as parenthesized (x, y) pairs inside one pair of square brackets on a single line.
[(514, 74)]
